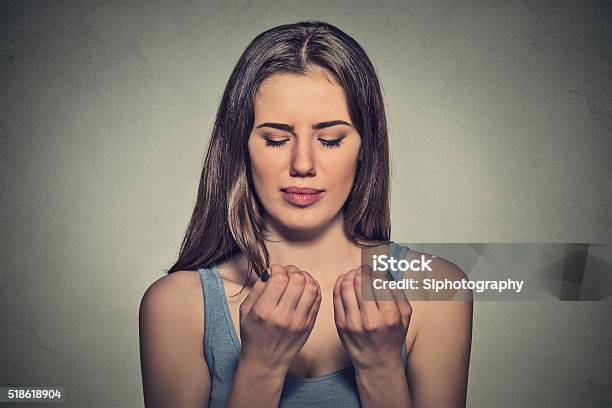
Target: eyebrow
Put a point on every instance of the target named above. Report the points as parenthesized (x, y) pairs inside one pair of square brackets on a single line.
[(290, 128)]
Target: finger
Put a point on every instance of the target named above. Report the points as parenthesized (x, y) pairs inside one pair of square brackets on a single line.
[(293, 291), (309, 295), (314, 311), (365, 293), (339, 316), (349, 300), (385, 301), (254, 294), (357, 281), (403, 305), (275, 286)]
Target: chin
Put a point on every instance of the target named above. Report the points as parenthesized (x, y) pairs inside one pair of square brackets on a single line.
[(300, 225), (297, 221)]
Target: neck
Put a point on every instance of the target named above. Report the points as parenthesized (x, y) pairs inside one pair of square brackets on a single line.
[(324, 253)]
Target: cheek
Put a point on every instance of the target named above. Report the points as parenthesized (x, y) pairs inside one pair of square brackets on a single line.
[(259, 176), (343, 172), (264, 171)]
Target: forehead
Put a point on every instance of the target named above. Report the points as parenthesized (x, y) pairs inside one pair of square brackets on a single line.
[(315, 96)]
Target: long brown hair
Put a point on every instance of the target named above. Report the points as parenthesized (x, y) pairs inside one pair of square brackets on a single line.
[(228, 215)]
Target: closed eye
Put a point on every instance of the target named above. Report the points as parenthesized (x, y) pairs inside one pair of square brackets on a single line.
[(325, 142), (275, 143), (332, 143)]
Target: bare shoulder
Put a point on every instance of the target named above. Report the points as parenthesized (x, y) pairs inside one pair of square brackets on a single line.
[(175, 287), (448, 307), (171, 328), (169, 297), (439, 360)]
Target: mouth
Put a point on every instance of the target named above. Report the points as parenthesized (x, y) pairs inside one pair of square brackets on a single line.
[(302, 196)]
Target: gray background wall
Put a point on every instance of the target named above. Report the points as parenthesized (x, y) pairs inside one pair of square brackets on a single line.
[(500, 123)]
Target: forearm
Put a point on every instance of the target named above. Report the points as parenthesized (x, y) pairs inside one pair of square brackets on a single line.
[(255, 387), (384, 387)]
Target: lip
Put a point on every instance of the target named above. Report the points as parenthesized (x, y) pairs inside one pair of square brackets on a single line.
[(301, 190), (302, 196)]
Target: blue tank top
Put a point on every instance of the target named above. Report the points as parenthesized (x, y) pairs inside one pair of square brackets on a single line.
[(222, 351)]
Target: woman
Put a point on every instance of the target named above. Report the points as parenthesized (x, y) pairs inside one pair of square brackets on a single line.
[(293, 193)]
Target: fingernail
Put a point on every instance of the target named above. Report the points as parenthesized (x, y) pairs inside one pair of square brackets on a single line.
[(265, 276)]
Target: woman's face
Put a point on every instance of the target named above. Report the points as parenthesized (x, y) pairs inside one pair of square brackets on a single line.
[(303, 149)]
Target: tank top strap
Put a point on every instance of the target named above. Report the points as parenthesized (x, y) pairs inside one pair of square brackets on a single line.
[(217, 332), (399, 251)]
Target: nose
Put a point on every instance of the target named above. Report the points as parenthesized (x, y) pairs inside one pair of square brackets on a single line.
[(302, 160)]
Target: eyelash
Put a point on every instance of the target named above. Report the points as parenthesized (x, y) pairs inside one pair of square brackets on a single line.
[(330, 144)]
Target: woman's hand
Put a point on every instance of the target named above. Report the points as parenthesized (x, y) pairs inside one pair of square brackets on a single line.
[(372, 324), (277, 317)]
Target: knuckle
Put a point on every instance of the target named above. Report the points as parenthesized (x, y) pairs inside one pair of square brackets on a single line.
[(346, 284), (259, 314), (393, 320), (311, 288), (298, 277), (281, 324), (355, 329), (370, 327), (280, 279), (297, 327)]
